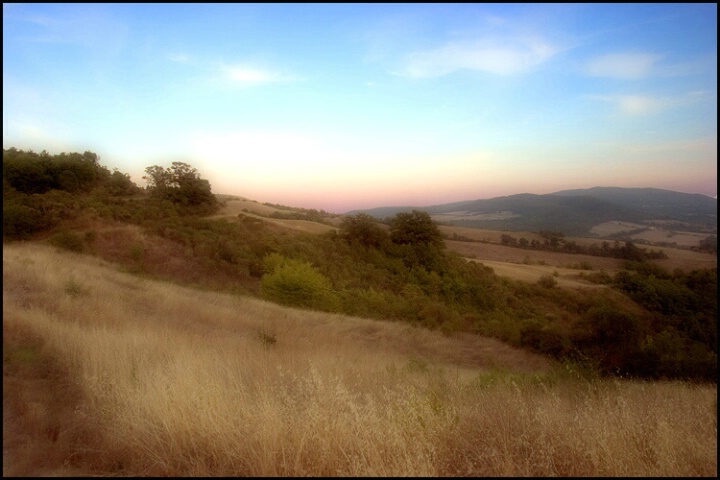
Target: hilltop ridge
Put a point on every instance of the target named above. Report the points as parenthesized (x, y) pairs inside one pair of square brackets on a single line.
[(574, 212)]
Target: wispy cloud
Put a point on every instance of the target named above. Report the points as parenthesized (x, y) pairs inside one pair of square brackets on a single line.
[(500, 57), (623, 66), (638, 104), (179, 58), (248, 75), (90, 28), (243, 74)]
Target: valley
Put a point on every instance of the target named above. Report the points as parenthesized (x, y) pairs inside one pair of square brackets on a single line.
[(170, 331)]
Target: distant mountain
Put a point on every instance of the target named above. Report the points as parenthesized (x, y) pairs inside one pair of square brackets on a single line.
[(574, 212)]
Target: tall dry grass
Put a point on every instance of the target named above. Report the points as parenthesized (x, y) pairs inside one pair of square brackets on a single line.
[(155, 379)]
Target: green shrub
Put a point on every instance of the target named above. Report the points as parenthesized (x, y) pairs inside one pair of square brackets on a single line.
[(68, 241), (20, 221), (544, 339), (294, 283), (137, 252), (547, 281)]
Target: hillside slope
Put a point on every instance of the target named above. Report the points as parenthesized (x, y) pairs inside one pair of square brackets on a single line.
[(574, 212), (111, 374)]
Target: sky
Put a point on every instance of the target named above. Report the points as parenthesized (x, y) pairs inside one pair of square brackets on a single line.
[(350, 106)]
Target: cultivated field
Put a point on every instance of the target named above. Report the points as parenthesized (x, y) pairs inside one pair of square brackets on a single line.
[(516, 263), (106, 373), (235, 206), (650, 234), (530, 265)]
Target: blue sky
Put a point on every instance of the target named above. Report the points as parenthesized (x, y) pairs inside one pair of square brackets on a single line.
[(348, 106)]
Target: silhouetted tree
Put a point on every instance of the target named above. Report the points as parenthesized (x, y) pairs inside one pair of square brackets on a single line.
[(415, 228), (181, 184), (418, 240)]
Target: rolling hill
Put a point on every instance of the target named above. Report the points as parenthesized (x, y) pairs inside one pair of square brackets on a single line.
[(575, 212)]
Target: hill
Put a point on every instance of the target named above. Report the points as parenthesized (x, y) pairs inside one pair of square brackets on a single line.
[(576, 212), (410, 270), (107, 373)]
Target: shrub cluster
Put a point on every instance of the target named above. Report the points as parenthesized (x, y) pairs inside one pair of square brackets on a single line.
[(42, 190)]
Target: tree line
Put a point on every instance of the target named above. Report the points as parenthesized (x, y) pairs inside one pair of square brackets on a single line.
[(556, 242)]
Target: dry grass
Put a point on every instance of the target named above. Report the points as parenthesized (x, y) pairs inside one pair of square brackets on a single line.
[(565, 277), (106, 373), (249, 208), (521, 261)]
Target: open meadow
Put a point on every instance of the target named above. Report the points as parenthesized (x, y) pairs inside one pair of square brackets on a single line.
[(109, 373)]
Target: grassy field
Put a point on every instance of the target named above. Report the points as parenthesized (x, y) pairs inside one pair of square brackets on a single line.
[(107, 373)]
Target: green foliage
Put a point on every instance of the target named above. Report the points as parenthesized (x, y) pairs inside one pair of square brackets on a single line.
[(417, 240), (555, 241), (363, 228), (669, 354), (708, 244), (119, 184), (30, 172), (68, 241), (40, 191), (545, 339), (547, 281), (137, 252), (415, 228), (295, 283), (611, 327), (21, 221), (181, 184), (601, 277)]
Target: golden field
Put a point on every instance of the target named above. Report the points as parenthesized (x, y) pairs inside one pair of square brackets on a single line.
[(108, 373)]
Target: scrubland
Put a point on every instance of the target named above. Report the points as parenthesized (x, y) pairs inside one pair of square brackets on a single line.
[(108, 373)]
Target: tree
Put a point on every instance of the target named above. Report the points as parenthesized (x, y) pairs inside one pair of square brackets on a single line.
[(418, 240), (119, 183), (415, 228), (181, 184), (364, 229)]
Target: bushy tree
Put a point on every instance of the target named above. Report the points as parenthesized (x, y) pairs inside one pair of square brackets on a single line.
[(298, 284), (119, 184), (418, 240), (180, 184), (415, 228), (364, 229)]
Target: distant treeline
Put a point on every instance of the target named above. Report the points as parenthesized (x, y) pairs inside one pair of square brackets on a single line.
[(556, 242)]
